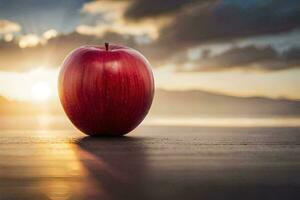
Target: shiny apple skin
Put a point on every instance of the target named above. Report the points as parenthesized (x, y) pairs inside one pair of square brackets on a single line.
[(106, 92)]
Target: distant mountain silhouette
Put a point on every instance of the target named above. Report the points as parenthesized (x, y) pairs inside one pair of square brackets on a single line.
[(201, 103), (193, 103)]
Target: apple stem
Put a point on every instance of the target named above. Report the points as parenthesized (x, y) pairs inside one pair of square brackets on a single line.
[(106, 46)]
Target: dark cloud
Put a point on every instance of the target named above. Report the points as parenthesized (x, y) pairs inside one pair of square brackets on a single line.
[(250, 58), (14, 58), (139, 9), (293, 54), (225, 21), (263, 58), (197, 22), (194, 22)]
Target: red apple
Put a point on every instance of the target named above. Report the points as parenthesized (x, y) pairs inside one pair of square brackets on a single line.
[(106, 90)]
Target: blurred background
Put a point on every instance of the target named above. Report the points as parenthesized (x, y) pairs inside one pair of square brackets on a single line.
[(216, 62)]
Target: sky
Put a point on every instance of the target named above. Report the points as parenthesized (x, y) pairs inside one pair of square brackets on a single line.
[(235, 47)]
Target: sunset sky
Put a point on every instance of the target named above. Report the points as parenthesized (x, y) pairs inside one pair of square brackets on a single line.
[(236, 47)]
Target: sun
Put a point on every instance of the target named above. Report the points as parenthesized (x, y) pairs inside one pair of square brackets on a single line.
[(41, 91)]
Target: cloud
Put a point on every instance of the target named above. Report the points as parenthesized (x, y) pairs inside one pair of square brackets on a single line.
[(107, 15), (194, 22), (140, 9), (264, 58), (105, 6), (121, 27), (7, 26), (189, 24), (31, 40), (51, 33), (51, 53), (226, 21)]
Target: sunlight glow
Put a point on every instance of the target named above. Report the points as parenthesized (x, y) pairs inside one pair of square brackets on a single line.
[(41, 91), (38, 85), (224, 122)]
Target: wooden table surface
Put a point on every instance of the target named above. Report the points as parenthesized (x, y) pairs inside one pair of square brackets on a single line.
[(153, 162)]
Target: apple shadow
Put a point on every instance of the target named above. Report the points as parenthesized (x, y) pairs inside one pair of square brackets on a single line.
[(117, 165)]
